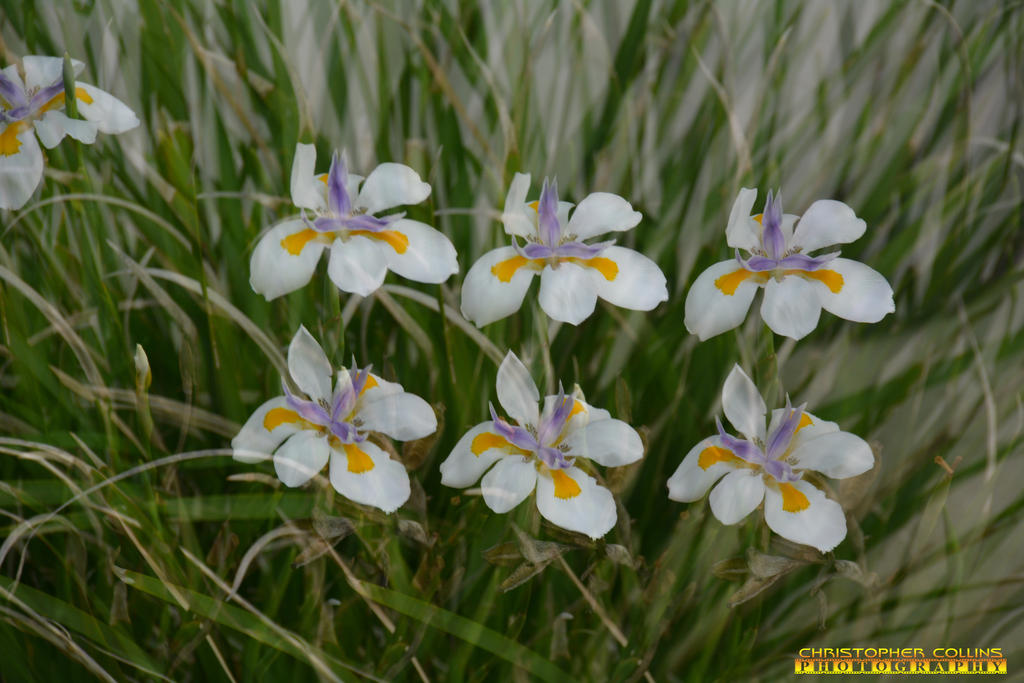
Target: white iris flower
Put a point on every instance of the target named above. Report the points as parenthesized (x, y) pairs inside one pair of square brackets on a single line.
[(34, 107), (331, 424), (796, 285), (343, 218), (539, 449), (769, 466), (573, 273)]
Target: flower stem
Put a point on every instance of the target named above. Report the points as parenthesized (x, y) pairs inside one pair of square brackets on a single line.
[(766, 371), (545, 345), (446, 337)]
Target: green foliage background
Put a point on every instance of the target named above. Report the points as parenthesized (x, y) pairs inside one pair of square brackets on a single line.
[(136, 549)]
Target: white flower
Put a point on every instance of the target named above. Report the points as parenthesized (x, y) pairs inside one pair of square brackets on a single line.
[(796, 285), (331, 424), (769, 465), (572, 273), (363, 246), (539, 450), (35, 106)]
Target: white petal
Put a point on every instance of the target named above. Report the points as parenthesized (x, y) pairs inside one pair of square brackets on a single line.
[(590, 512), (254, 442), (357, 265), (838, 455), (690, 481), (791, 307), (54, 125), (110, 114), (300, 457), (381, 388), (429, 256), (709, 310), (463, 467), (307, 191), (517, 217), (508, 483), (11, 71), (567, 293), (865, 295), (639, 283), (563, 214), (743, 405), (485, 298), (274, 270), (822, 524), (742, 231), (391, 185), (788, 221), (384, 486), (602, 212), (20, 172), (517, 392), (41, 71), (737, 495), (308, 365), (611, 443), (827, 222), (402, 416)]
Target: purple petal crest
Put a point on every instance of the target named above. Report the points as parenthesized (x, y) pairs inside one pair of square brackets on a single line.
[(771, 222), (547, 214), (337, 196)]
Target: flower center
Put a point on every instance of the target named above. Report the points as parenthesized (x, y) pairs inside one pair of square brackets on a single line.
[(770, 456), (543, 441), (336, 417)]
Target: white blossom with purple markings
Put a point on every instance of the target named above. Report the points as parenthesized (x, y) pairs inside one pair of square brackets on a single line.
[(770, 464), (573, 273), (331, 424), (34, 107), (797, 285), (343, 217), (543, 450)]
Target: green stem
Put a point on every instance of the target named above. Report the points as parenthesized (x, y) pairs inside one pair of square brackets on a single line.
[(541, 320), (446, 336), (766, 372)]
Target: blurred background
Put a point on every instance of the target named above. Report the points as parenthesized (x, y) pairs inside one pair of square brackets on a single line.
[(134, 548)]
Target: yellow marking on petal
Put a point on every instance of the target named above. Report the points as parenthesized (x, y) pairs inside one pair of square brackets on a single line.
[(278, 416), (296, 242), (534, 205), (712, 455), (58, 100), (565, 486), (371, 382), (487, 441), (577, 407), (804, 421), (9, 142), (729, 282), (758, 217), (358, 461), (830, 278), (396, 240), (504, 270), (322, 178), (603, 265), (793, 499)]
